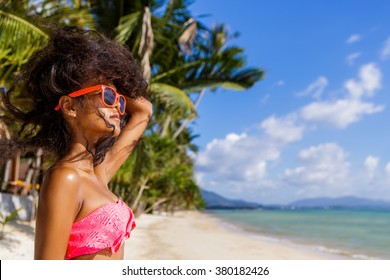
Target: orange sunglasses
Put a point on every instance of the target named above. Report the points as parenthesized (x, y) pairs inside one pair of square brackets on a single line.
[(109, 97)]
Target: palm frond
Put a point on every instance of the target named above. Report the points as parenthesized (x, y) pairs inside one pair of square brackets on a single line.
[(18, 40), (178, 69), (173, 98), (241, 80), (16, 27), (127, 26), (212, 84)]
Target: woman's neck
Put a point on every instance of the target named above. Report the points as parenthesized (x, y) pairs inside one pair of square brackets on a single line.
[(80, 157)]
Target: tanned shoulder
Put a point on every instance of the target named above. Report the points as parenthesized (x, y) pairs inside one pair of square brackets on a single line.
[(62, 186)]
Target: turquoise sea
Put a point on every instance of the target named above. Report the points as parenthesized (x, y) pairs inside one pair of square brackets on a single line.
[(351, 234)]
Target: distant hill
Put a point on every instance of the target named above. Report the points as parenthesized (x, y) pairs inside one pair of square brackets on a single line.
[(216, 201), (349, 202)]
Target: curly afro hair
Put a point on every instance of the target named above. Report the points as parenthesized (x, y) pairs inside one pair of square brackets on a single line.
[(72, 59)]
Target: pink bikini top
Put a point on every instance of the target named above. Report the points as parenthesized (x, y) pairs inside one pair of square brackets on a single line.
[(106, 227)]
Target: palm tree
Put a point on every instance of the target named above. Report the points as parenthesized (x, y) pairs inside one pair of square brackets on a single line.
[(211, 64), (185, 59)]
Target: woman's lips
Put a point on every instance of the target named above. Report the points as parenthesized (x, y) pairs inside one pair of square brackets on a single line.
[(115, 117)]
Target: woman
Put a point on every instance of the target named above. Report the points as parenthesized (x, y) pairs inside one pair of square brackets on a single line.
[(88, 107)]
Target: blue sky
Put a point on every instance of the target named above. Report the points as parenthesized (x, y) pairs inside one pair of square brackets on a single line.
[(319, 122)]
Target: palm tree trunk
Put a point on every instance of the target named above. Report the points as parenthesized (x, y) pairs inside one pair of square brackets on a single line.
[(154, 205), (165, 127), (37, 170), (146, 45), (184, 123), (140, 191), (15, 168), (7, 172)]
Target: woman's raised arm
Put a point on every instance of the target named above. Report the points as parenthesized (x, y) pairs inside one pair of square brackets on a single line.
[(140, 111)]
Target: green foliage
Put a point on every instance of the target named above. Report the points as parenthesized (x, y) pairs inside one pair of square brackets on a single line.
[(6, 219), (65, 12), (22, 29), (127, 25), (174, 100), (13, 53)]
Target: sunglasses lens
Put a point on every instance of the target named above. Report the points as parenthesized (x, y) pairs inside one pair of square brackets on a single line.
[(122, 104), (109, 96)]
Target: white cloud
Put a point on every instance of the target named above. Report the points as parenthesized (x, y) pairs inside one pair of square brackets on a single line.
[(352, 57), (241, 162), (256, 171), (237, 158), (387, 169), (343, 112), (316, 88), (279, 83), (323, 165), (199, 178), (340, 113), (369, 81), (283, 129), (245, 164), (354, 38), (371, 164), (385, 53)]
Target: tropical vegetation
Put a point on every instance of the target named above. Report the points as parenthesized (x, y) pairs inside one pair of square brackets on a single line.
[(182, 59)]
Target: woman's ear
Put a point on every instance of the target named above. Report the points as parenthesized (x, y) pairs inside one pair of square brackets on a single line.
[(67, 105)]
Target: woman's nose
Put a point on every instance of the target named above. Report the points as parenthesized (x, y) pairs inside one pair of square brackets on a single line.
[(118, 106)]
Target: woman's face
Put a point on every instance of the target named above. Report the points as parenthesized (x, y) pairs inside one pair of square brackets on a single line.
[(94, 116)]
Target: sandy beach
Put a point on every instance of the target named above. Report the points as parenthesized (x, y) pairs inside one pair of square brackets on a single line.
[(187, 235)]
